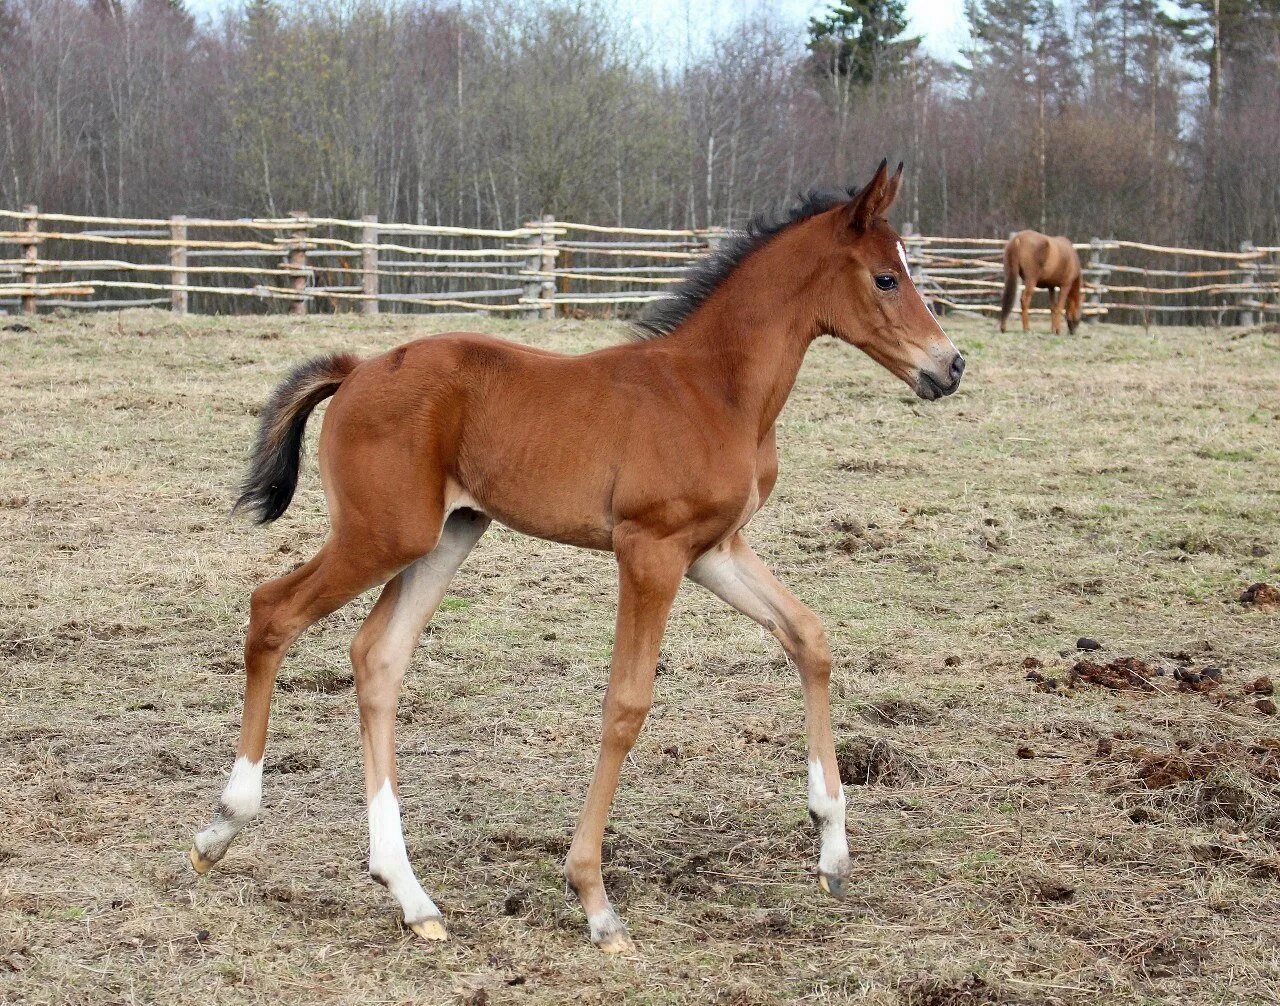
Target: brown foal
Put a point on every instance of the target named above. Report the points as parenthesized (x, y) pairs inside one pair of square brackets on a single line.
[(659, 450), (1050, 263)]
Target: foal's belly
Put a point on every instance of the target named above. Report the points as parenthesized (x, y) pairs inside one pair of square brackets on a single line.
[(585, 513)]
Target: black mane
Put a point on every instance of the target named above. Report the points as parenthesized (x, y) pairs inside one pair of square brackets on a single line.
[(662, 317)]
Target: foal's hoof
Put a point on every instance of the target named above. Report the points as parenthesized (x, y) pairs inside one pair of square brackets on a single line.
[(199, 863), (834, 884), (431, 928), (609, 933), (617, 942)]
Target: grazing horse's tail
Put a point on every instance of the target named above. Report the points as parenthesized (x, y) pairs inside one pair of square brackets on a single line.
[(268, 487), (1010, 280)]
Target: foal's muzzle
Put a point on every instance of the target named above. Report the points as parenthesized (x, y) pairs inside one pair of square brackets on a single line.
[(930, 386)]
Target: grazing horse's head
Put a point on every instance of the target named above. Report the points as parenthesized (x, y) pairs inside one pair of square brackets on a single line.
[(873, 303)]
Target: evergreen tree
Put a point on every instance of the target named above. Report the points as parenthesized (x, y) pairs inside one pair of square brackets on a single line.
[(862, 41)]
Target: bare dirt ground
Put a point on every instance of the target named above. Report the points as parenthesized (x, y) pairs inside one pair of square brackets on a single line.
[(1031, 823)]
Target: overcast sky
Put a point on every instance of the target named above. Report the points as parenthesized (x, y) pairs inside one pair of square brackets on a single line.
[(940, 22)]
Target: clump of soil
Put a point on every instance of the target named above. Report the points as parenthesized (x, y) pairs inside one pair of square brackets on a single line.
[(860, 537), (1162, 771), (1259, 686), (929, 991), (898, 712), (867, 762), (1261, 595), (1230, 779), (1121, 674), (295, 761)]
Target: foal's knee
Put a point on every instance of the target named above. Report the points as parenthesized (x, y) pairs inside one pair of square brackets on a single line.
[(624, 716), (810, 649)]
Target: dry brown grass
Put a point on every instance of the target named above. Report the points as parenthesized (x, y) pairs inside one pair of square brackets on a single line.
[(1121, 485)]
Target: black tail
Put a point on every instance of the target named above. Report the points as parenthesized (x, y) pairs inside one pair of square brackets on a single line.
[(268, 487), (1010, 283)]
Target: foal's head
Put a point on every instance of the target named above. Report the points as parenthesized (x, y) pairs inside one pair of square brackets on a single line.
[(870, 300)]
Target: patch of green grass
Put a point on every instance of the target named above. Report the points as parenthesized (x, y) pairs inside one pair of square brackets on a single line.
[(1225, 454)]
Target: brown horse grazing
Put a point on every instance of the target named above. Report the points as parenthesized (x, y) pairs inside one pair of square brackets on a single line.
[(1046, 262), (659, 450)]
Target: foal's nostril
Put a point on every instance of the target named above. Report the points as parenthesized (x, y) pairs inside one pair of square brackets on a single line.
[(957, 368)]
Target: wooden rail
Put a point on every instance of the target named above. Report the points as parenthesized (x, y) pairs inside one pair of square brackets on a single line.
[(302, 263)]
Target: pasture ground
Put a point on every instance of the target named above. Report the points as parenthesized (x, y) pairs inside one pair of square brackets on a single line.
[(1120, 485)]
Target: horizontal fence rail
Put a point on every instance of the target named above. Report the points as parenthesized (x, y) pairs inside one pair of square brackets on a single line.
[(545, 268)]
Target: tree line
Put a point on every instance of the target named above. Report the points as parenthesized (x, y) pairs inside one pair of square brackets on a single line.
[(1115, 118)]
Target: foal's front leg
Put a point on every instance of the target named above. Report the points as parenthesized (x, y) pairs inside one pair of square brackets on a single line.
[(649, 574), (735, 574)]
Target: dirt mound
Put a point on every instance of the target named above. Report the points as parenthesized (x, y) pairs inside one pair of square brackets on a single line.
[(868, 762), (898, 712), (1158, 770), (929, 991), (1230, 779), (1133, 674), (1121, 674), (1261, 595)]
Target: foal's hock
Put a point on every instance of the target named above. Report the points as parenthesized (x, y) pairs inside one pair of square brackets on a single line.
[(660, 451)]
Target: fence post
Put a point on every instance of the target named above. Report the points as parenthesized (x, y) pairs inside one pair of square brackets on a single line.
[(297, 261), (533, 265), (547, 292), (30, 255), (1253, 295), (178, 263), (369, 264), (1095, 272)]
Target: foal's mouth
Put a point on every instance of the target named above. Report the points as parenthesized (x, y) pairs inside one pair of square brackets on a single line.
[(931, 389)]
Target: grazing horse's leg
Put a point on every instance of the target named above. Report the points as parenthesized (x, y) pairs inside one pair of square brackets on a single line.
[(735, 574), (1029, 282), (1057, 307), (380, 655), (279, 612), (649, 574)]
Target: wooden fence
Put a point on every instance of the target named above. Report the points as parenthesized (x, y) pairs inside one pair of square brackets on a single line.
[(302, 263)]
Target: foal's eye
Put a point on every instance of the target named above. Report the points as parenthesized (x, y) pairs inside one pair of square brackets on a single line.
[(886, 281)]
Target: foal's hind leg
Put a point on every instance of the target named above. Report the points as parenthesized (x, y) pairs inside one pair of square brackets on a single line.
[(380, 654), (280, 611), (735, 574)]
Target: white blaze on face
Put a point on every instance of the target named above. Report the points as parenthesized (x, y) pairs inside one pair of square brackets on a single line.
[(388, 860), (828, 811), (902, 255), (946, 339)]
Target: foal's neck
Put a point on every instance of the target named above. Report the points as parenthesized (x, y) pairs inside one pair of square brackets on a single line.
[(746, 342)]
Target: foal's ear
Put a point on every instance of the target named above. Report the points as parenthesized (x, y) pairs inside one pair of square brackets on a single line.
[(875, 199)]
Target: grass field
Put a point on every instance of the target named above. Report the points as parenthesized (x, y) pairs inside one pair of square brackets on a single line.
[(1120, 485)]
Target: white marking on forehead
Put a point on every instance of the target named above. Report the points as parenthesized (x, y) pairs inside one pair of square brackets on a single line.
[(902, 254)]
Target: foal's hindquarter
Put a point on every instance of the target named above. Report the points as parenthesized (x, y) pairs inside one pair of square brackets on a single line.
[(660, 452)]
